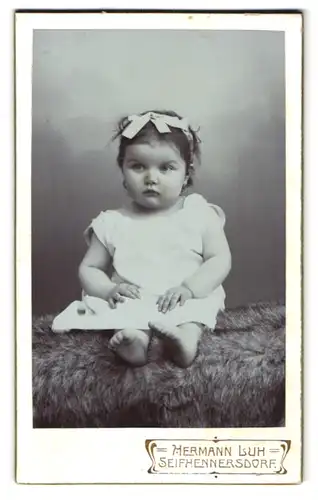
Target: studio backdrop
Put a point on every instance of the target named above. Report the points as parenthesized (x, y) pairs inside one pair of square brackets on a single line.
[(231, 84)]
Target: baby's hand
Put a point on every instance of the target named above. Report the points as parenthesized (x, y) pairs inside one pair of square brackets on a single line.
[(172, 297), (119, 292)]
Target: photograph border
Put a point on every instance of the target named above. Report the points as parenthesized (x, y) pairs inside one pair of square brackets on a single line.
[(26, 443)]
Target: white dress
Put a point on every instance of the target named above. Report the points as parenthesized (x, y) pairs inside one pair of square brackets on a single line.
[(155, 253)]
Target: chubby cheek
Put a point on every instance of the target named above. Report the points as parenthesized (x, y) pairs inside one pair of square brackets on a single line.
[(173, 190), (130, 180), (176, 186)]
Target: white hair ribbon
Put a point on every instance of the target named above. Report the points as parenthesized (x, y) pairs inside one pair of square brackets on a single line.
[(160, 121)]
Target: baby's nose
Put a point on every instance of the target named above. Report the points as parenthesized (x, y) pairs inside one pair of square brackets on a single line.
[(151, 177)]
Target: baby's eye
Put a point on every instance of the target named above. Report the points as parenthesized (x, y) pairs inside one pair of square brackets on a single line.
[(138, 167), (166, 167)]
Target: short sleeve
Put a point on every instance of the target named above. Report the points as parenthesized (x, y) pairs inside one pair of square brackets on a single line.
[(205, 214), (218, 215), (103, 227)]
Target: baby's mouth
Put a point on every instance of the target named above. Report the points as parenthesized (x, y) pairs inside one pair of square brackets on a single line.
[(151, 192)]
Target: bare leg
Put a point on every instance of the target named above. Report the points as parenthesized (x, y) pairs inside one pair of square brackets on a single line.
[(131, 345), (182, 339)]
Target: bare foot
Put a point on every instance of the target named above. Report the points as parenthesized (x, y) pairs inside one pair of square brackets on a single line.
[(130, 345), (183, 340)]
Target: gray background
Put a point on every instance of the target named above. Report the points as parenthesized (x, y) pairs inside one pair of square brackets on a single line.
[(230, 83)]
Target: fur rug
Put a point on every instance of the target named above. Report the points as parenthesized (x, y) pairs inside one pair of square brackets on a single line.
[(236, 380)]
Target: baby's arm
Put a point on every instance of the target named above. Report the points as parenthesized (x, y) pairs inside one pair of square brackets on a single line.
[(216, 266), (92, 270)]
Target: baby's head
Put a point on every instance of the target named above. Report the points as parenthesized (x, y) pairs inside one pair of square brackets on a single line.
[(165, 128)]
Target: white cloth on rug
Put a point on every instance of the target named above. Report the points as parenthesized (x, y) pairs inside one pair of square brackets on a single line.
[(155, 253)]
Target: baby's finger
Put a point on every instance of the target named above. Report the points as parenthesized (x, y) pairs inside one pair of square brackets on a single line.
[(112, 303), (159, 302), (165, 304), (174, 300), (126, 291), (165, 299), (119, 297), (136, 292), (133, 293), (183, 299)]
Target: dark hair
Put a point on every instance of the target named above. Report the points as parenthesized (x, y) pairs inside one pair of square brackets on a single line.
[(188, 147)]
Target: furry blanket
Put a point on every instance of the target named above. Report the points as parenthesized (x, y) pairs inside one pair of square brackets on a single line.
[(236, 380)]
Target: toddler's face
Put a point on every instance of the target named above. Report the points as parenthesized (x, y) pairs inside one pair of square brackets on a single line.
[(154, 174)]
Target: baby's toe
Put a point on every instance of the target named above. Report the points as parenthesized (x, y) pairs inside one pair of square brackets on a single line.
[(116, 339)]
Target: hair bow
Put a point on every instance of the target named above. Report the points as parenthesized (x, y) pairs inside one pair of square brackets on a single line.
[(160, 121)]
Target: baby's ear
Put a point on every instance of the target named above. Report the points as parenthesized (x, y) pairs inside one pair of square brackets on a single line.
[(188, 180), (186, 183)]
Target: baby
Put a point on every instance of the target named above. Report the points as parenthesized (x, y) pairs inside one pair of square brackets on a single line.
[(156, 265)]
